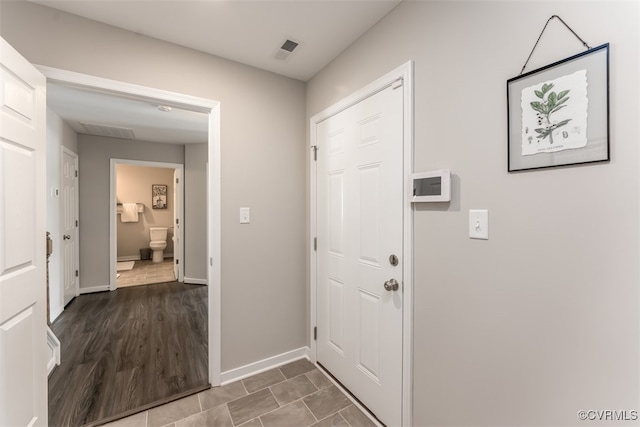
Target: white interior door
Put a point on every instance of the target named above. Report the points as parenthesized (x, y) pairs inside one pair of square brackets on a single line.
[(23, 339), (359, 250), (69, 219)]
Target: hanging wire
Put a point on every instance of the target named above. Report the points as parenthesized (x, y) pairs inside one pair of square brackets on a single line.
[(542, 32)]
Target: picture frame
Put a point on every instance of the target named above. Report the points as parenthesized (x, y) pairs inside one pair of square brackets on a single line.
[(158, 196), (558, 115)]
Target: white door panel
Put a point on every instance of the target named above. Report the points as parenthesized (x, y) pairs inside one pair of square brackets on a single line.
[(359, 225), (23, 363), (69, 226)]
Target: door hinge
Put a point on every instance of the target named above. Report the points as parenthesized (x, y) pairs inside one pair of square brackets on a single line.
[(77, 273), (315, 243), (76, 172), (177, 221), (76, 222), (177, 180), (211, 262), (315, 152), (177, 262), (315, 333), (398, 83)]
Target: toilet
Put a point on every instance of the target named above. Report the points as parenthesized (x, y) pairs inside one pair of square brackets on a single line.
[(158, 242)]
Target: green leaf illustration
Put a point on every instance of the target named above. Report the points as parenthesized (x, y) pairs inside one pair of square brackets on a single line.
[(553, 102)]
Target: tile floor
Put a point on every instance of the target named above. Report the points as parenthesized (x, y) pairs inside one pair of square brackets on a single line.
[(147, 272), (296, 395)]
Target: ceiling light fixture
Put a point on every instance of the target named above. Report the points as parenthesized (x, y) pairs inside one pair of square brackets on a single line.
[(164, 108)]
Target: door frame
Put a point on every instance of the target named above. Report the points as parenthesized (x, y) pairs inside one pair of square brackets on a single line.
[(212, 108), (113, 217), (76, 238), (404, 72)]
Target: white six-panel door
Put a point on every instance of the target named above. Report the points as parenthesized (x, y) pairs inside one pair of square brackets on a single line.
[(69, 226), (360, 229), (23, 341)]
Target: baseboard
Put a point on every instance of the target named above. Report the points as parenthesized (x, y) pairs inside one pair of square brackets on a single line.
[(264, 365), (53, 351), (55, 314), (93, 289), (129, 258), (192, 281), (137, 257)]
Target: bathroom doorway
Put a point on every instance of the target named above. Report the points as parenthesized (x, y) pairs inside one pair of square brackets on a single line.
[(147, 240)]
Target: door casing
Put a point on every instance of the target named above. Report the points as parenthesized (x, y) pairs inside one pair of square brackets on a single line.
[(212, 108), (404, 72)]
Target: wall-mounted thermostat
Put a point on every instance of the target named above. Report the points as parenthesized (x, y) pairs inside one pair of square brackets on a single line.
[(432, 186)]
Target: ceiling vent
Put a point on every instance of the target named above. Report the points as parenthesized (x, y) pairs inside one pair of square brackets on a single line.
[(288, 46), (108, 131)]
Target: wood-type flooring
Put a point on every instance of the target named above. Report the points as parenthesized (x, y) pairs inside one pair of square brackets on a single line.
[(128, 349)]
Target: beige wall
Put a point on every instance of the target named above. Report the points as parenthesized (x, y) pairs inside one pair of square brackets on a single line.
[(134, 186), (263, 152), (541, 320)]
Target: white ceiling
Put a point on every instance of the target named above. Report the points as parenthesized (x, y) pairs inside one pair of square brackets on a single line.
[(148, 123), (246, 31)]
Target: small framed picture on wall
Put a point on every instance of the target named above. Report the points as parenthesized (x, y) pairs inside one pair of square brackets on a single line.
[(158, 196)]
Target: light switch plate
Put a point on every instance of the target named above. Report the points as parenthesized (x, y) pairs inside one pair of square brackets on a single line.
[(245, 216), (479, 224)]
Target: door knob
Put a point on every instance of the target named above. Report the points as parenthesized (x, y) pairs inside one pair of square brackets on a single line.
[(391, 285), (66, 237)]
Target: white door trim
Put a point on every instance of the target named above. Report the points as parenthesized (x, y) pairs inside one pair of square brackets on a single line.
[(189, 102), (404, 72), (76, 237), (113, 218)]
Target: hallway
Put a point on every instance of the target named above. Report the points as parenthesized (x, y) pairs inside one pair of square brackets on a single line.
[(128, 349)]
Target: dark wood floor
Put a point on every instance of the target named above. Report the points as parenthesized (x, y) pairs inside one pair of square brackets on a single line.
[(128, 348)]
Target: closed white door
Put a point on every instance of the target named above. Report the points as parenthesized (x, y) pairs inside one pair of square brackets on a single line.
[(359, 250), (23, 338), (69, 226)]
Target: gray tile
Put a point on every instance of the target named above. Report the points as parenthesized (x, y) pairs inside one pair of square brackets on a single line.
[(356, 418), (296, 368), (253, 423), (334, 420), (295, 414), (174, 411), (218, 395), (252, 406), (137, 420), (326, 402), (293, 389), (319, 379), (265, 379), (215, 417)]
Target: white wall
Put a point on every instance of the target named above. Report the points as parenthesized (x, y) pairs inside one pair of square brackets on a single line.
[(195, 219), (263, 152), (59, 135), (134, 186), (541, 320)]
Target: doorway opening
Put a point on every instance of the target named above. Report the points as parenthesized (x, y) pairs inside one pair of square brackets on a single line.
[(213, 201), (147, 234)]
